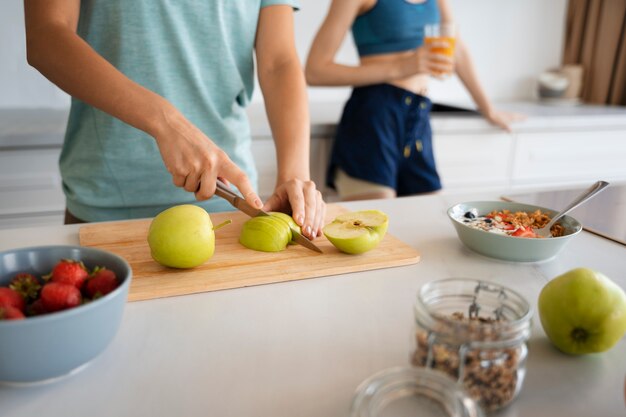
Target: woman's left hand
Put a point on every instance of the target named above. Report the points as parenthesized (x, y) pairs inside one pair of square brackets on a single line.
[(304, 201), (502, 119)]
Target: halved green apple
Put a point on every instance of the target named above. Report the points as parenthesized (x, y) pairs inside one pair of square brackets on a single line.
[(268, 233), (358, 231)]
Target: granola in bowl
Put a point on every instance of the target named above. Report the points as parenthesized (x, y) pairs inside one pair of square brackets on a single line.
[(511, 223)]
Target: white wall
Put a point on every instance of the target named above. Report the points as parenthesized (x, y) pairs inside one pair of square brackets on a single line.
[(511, 42), (21, 85)]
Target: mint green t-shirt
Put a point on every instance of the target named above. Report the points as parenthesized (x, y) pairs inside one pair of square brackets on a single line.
[(198, 54)]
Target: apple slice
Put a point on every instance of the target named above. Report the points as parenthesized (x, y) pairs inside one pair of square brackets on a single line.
[(358, 231)]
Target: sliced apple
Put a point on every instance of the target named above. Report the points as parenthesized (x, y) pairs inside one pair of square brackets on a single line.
[(265, 233), (358, 231), (290, 221)]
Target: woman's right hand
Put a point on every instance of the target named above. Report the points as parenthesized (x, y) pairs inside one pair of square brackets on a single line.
[(423, 61), (195, 161)]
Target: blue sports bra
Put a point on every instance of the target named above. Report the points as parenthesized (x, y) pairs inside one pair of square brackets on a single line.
[(393, 26)]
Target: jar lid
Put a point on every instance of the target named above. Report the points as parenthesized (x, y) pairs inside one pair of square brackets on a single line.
[(464, 309), (403, 391)]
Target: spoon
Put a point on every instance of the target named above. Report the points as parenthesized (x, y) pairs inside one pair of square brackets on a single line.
[(586, 195)]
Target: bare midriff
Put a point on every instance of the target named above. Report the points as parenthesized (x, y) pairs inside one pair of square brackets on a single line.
[(417, 84)]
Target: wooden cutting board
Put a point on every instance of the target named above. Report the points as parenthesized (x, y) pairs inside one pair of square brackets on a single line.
[(233, 265)]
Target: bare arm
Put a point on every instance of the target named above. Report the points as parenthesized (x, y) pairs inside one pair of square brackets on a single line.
[(79, 71), (321, 68), (54, 48), (465, 69), (284, 90)]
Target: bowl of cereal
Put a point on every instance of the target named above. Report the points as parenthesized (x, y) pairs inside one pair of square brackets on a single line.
[(506, 230)]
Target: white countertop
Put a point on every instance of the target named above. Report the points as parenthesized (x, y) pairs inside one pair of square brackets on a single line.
[(301, 348), (46, 127)]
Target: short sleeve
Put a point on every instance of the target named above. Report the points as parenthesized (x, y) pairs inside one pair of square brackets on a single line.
[(293, 3)]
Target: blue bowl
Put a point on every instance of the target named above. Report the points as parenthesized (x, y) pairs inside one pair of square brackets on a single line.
[(46, 347)]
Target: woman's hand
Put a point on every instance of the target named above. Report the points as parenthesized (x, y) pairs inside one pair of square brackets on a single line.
[(305, 203), (423, 61), (195, 161), (502, 119)]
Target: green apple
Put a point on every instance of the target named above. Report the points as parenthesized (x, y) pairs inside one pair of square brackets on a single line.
[(583, 311), (266, 233), (290, 221), (182, 237), (357, 232)]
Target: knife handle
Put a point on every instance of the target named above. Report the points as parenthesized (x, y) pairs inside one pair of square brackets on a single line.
[(223, 191)]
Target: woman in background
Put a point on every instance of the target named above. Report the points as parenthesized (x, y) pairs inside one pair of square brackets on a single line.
[(383, 144)]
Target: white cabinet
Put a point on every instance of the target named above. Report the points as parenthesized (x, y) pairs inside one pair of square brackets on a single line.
[(30, 187), (556, 146), (530, 159), (560, 158), (264, 152), (473, 161)]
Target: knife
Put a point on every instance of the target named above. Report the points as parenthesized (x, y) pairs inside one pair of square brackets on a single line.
[(240, 204)]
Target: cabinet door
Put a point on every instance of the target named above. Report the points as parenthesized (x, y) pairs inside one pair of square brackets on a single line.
[(473, 161), (264, 153), (561, 158), (320, 157), (30, 188)]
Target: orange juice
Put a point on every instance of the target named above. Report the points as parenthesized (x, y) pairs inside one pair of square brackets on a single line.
[(449, 51)]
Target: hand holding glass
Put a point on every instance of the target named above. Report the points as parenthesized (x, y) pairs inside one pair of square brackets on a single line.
[(441, 39)]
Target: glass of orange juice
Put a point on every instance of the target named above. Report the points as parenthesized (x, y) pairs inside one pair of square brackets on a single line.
[(435, 35)]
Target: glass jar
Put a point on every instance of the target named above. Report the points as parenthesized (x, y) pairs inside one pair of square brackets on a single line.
[(409, 392), (476, 332)]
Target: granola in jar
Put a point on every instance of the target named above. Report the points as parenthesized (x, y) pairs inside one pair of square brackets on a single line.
[(484, 349)]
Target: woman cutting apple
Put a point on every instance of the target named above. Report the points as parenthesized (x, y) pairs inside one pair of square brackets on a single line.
[(159, 91)]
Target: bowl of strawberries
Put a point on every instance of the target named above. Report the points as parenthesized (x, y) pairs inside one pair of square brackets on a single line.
[(60, 307)]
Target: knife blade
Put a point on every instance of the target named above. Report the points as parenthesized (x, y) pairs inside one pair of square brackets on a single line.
[(300, 239), (222, 190)]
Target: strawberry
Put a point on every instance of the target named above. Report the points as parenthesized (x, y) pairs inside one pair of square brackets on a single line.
[(524, 232), (36, 308), (10, 313), (11, 298), (57, 296), (102, 282), (27, 285), (508, 226), (71, 272)]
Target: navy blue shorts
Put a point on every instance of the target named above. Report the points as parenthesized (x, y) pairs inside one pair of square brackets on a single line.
[(384, 137)]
